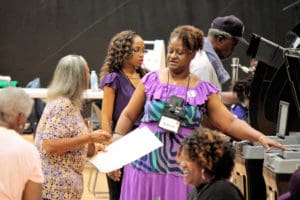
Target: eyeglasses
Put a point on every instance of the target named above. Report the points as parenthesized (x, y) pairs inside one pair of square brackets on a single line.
[(177, 52), (139, 51)]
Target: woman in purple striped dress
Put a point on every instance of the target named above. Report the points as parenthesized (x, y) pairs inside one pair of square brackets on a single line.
[(167, 98)]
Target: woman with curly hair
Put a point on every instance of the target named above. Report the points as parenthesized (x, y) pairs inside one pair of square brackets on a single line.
[(120, 74), (207, 161)]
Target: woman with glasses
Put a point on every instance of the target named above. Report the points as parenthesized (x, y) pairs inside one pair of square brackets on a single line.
[(173, 102), (120, 74)]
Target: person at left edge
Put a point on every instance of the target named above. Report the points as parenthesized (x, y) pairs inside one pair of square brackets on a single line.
[(120, 74), (21, 174)]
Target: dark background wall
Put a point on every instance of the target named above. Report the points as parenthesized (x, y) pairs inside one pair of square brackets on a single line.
[(34, 34)]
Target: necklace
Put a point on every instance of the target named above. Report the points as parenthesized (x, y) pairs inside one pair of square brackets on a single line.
[(133, 79), (131, 76), (187, 86), (178, 81)]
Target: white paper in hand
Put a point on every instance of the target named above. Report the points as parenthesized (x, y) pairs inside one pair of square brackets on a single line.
[(129, 148)]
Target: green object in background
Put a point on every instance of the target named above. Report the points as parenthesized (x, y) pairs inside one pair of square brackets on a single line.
[(4, 84)]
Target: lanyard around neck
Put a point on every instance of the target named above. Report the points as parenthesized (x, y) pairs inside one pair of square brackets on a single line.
[(187, 86)]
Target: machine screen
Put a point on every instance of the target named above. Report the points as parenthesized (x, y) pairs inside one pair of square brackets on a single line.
[(282, 118)]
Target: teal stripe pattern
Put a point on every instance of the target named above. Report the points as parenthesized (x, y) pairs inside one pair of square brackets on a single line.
[(163, 160)]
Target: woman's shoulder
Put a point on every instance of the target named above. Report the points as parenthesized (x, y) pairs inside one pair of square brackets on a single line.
[(151, 74), (60, 100), (199, 91), (60, 103), (110, 78), (227, 188), (150, 77), (226, 183)]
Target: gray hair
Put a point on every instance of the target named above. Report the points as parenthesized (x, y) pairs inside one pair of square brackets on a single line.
[(212, 32), (69, 79), (14, 101)]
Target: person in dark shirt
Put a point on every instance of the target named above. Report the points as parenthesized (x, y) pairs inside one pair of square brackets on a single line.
[(207, 160)]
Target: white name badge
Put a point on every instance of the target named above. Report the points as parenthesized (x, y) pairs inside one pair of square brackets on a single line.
[(169, 124)]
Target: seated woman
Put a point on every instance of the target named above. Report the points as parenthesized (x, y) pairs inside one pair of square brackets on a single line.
[(207, 161), (242, 90)]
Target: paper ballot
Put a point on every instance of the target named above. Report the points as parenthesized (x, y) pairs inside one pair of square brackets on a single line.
[(129, 148)]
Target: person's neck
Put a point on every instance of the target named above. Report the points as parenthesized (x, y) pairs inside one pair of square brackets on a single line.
[(179, 76), (130, 73), (129, 69), (6, 125), (205, 181)]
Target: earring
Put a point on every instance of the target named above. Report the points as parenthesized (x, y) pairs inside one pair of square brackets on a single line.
[(21, 128), (21, 123), (203, 174)]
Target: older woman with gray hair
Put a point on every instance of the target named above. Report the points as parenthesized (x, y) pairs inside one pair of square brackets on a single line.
[(21, 173), (62, 136)]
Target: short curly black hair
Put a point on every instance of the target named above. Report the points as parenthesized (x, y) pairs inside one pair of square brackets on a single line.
[(211, 152)]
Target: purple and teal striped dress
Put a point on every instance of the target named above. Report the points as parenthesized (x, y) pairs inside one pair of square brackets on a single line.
[(157, 176)]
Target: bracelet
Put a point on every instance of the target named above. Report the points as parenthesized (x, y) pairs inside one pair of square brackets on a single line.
[(116, 136), (261, 138), (116, 133)]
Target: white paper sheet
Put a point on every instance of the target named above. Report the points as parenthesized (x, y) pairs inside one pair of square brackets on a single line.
[(132, 146)]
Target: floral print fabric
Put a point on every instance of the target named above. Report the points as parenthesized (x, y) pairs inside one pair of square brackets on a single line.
[(63, 172)]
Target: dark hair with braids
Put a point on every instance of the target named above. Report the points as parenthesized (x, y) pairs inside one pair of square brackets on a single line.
[(192, 37), (119, 50), (211, 152), (242, 88)]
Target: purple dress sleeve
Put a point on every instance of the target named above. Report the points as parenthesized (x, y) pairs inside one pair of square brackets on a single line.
[(124, 91), (196, 96)]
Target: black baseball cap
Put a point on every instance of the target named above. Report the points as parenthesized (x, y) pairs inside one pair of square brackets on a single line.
[(231, 25)]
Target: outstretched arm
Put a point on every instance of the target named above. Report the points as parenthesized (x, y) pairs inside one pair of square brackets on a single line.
[(221, 118), (63, 145), (128, 117)]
